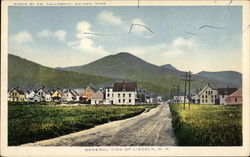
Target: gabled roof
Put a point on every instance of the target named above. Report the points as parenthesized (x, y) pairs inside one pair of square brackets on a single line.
[(74, 92), (208, 85), (80, 91), (98, 95), (125, 86), (46, 91), (92, 88), (18, 90), (237, 93), (226, 91)]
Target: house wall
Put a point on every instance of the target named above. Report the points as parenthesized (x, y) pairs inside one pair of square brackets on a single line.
[(16, 97), (209, 96), (124, 97), (88, 93), (223, 99), (48, 98), (234, 100), (109, 96)]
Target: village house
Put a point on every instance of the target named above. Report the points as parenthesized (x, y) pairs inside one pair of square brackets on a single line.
[(125, 93), (235, 98), (16, 95), (30, 95), (89, 92), (208, 95), (56, 95), (108, 95), (181, 99), (42, 94), (97, 98), (224, 93), (70, 95), (195, 97), (141, 96)]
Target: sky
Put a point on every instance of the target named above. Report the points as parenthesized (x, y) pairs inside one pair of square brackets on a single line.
[(58, 36)]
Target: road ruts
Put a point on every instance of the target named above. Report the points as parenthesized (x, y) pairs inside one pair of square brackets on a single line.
[(151, 128)]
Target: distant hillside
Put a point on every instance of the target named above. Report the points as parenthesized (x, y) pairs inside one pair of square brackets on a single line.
[(27, 74), (124, 66), (225, 76), (103, 72), (129, 67)]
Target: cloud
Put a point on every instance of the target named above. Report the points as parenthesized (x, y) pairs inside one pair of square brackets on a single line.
[(183, 42), (86, 45), (107, 17), (177, 47), (22, 37), (85, 42), (44, 33), (83, 27), (59, 34)]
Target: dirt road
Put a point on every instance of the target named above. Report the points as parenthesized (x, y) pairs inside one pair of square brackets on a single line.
[(151, 128)]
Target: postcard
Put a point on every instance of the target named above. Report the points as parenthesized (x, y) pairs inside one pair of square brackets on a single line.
[(125, 78)]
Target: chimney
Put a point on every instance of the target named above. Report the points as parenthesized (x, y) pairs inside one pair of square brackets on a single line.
[(17, 87)]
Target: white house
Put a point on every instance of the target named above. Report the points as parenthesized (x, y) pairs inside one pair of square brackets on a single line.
[(48, 97), (124, 93), (224, 93), (41, 92), (30, 95), (97, 98), (195, 97), (38, 98), (69, 95), (208, 95), (181, 99), (108, 95)]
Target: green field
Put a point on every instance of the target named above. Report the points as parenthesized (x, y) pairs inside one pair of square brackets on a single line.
[(30, 122), (207, 125)]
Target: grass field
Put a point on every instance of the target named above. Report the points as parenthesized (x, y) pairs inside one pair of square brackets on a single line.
[(207, 125), (34, 122)]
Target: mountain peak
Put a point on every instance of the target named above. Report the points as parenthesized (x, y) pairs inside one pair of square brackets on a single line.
[(168, 66), (123, 54)]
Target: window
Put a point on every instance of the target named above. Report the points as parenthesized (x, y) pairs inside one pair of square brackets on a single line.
[(202, 96), (119, 100), (211, 92), (119, 95), (108, 94), (206, 100), (215, 96), (129, 94), (235, 99), (222, 96), (202, 100), (206, 96), (206, 92), (211, 96), (123, 95), (212, 101), (129, 100), (123, 100)]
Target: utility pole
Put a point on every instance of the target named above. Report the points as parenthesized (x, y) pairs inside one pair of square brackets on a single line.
[(177, 91), (185, 89), (173, 89), (189, 94)]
